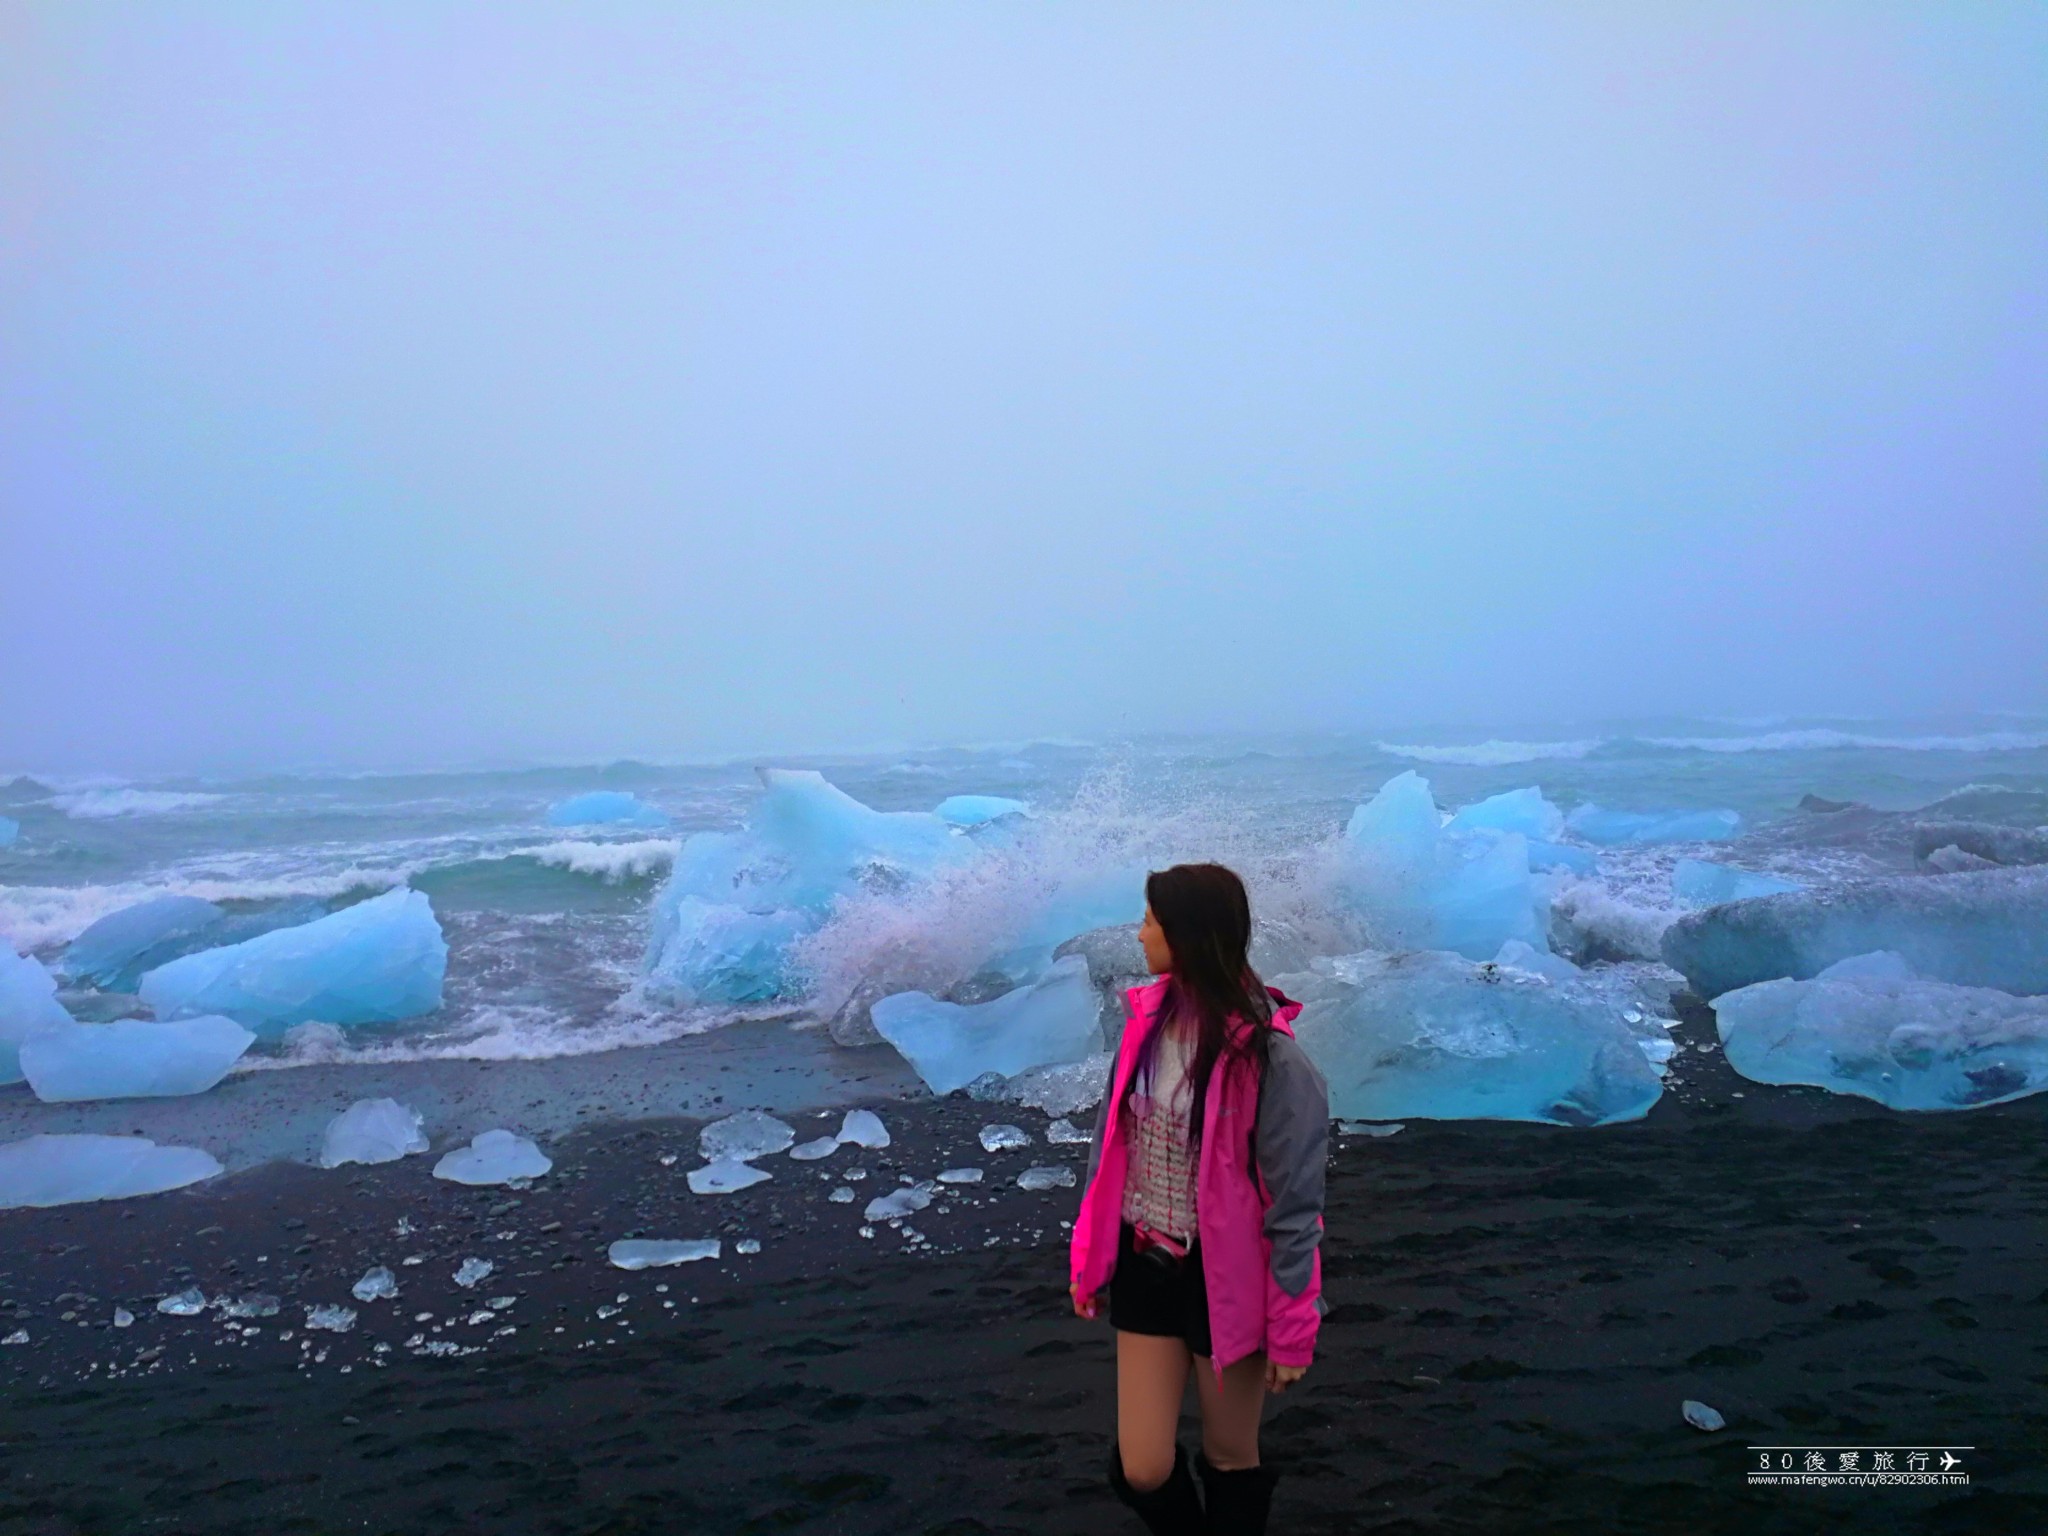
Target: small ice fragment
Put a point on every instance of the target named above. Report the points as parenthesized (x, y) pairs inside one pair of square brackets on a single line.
[(898, 1202), (843, 1195), (811, 1151), (961, 1176), (1700, 1416), (19, 1336), (746, 1135), (500, 1303), (1064, 1133), (494, 1157), (404, 1227), (747, 1245), (473, 1271), (864, 1128), (1046, 1178), (372, 1131), (131, 1058), (378, 1284), (654, 1253), (854, 1175), (189, 1302), (123, 1318), (331, 1319), (667, 1159), (1000, 1138), (1369, 1127), (723, 1176), (255, 1304)]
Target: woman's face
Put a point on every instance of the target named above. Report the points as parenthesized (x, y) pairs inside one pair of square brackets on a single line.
[(1157, 955)]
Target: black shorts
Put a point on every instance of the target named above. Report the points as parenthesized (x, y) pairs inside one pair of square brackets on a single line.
[(1168, 1301)]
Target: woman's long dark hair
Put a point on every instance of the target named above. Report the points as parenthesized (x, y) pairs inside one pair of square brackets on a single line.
[(1207, 919)]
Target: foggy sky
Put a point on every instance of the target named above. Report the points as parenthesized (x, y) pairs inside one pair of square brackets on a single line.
[(434, 383)]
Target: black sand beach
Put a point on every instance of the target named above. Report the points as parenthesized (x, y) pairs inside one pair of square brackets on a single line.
[(1518, 1312)]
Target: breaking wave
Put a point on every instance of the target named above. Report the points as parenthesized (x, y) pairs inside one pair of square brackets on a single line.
[(103, 804), (1831, 740), (1492, 754)]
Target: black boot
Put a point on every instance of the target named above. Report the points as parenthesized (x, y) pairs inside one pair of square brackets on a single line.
[(1171, 1509), (1237, 1501)]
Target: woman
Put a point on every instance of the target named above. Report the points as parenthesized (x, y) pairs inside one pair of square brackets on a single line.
[(1202, 1216)]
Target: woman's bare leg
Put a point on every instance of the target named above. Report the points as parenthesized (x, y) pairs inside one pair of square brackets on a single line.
[(1151, 1378), (1230, 1411)]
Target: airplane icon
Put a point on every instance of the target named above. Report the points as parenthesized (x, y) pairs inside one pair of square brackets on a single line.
[(1948, 1461)]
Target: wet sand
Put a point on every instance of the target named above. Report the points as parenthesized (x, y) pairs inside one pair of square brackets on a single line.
[(1518, 1312)]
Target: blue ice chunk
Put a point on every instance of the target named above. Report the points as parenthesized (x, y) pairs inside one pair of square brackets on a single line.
[(132, 1058), (114, 943), (28, 1006), (734, 901), (1519, 810), (718, 952), (605, 807), (1903, 1041), (1984, 928), (951, 1044), (1696, 883), (373, 1131), (10, 829), (1430, 1035), (1419, 885), (1613, 828), (65, 1170), (830, 844), (975, 810), (1549, 856), (380, 960), (494, 1157)]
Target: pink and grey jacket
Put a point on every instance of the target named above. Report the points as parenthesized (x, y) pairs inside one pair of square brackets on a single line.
[(1258, 1191)]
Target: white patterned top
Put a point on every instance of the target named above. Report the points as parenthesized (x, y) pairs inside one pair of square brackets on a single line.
[(1159, 1186)]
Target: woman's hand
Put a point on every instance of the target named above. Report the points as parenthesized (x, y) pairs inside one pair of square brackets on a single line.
[(1084, 1306), (1279, 1377)]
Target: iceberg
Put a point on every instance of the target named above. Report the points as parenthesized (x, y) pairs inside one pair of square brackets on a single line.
[(372, 1131), (1431, 1035), (1614, 828), (1519, 810), (28, 1006), (716, 952), (734, 902), (380, 960), (977, 810), (1867, 1026), (114, 943), (132, 1058), (1984, 928), (494, 1157), (1545, 857), (605, 808), (65, 1170), (1697, 883), (1420, 885), (951, 1044), (657, 1253)]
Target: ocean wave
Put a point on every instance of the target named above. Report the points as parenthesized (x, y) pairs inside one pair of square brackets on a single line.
[(1825, 740), (103, 804), (1492, 754), (612, 863)]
